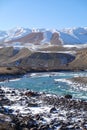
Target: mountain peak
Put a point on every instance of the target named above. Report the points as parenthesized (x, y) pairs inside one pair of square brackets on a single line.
[(45, 36)]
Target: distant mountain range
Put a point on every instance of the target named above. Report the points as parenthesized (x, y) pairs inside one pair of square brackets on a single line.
[(21, 36), (24, 50)]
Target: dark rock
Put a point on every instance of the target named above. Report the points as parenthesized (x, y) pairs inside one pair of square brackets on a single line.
[(53, 110), (45, 127), (13, 92), (8, 92), (37, 117), (8, 111), (1, 91), (22, 124), (6, 126), (31, 123), (5, 122), (32, 104), (63, 128), (25, 129), (2, 110), (31, 94), (34, 128), (5, 101), (68, 96)]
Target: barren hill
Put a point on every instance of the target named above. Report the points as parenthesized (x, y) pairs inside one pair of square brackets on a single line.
[(80, 61), (14, 60)]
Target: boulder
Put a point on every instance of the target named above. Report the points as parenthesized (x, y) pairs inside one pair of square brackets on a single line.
[(68, 96), (31, 94), (53, 110)]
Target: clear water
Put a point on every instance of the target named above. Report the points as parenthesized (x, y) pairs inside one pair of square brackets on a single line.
[(45, 82)]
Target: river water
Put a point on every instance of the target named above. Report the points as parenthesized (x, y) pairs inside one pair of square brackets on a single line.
[(53, 82)]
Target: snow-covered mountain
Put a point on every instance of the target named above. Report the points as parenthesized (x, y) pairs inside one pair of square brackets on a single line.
[(74, 35), (44, 36), (3, 35), (16, 33)]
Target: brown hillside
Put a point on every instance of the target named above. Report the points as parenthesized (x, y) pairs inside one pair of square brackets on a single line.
[(80, 61), (57, 48), (34, 37), (23, 60), (55, 40), (9, 55)]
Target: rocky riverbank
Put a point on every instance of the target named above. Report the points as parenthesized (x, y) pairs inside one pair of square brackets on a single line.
[(27, 110), (80, 80)]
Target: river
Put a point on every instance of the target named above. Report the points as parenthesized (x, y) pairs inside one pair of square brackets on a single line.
[(51, 82)]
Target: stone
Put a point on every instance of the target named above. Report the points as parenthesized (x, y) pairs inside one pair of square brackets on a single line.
[(68, 96), (31, 94), (45, 127), (31, 123), (53, 110), (34, 128), (25, 129), (32, 104), (37, 116)]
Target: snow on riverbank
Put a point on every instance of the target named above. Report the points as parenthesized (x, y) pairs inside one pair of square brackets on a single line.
[(49, 110)]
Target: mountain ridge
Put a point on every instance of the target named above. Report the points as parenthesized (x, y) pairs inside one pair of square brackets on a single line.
[(44, 36)]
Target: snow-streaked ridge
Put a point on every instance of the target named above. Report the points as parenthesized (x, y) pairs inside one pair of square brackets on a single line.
[(74, 35), (17, 32), (67, 35)]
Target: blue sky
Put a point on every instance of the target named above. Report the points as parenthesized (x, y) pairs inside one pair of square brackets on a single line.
[(43, 13)]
